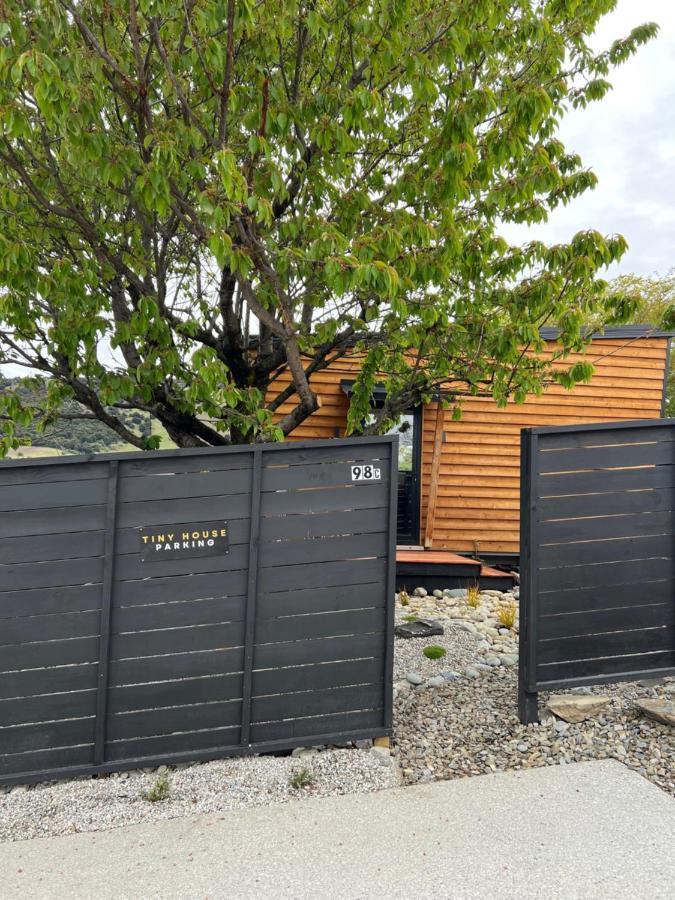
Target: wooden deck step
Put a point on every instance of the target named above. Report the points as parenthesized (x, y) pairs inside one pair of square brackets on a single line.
[(440, 569)]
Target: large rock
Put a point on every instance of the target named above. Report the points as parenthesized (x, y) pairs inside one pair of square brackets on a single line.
[(576, 707), (419, 628), (661, 710)]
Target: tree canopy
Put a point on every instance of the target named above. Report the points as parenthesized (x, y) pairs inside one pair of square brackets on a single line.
[(199, 198), (654, 297)]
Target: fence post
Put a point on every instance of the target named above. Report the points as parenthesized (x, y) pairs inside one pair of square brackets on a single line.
[(391, 587), (528, 710), (106, 611), (251, 595)]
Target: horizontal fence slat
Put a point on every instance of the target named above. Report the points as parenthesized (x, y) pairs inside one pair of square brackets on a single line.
[(177, 465), (53, 521), (591, 646), (41, 474), (320, 625), (611, 665), (181, 691), (296, 653), (42, 761), (186, 486), (627, 525), (337, 453), (187, 587), (25, 738), (607, 480), (318, 500), (647, 615), (604, 596), (177, 613), (321, 675), (48, 681), (45, 601), (620, 502), (604, 551), (317, 726), (87, 492), (606, 436), (326, 574), (167, 720), (606, 457), (322, 599), (176, 640), (49, 628), (49, 653), (168, 512), (315, 550), (56, 573), (39, 548), (317, 702), (72, 705), (176, 665), (166, 745), (298, 527), (632, 570)]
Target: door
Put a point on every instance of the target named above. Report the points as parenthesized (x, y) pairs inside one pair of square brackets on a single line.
[(409, 476)]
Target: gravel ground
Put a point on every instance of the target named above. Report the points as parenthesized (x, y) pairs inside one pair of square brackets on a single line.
[(469, 726), (459, 719), (109, 802)]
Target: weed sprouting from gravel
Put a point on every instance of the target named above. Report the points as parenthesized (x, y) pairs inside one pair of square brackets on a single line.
[(159, 791), (301, 779), (507, 614), (404, 598)]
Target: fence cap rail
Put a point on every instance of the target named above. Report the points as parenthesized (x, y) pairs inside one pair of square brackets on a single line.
[(136, 455), (599, 426)]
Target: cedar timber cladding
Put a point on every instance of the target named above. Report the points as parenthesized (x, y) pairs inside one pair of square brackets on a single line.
[(477, 502)]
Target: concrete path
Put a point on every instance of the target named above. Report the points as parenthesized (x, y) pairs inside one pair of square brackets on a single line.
[(593, 830)]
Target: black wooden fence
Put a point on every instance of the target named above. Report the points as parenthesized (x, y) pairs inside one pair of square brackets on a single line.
[(597, 597), (193, 604)]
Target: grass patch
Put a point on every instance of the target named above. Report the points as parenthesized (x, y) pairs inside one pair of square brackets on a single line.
[(506, 614), (473, 597), (434, 652), (302, 778), (410, 618), (159, 791)]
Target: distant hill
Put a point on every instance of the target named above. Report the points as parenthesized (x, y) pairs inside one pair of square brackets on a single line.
[(72, 435)]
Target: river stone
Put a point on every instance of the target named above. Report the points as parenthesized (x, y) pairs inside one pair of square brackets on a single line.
[(436, 681), (420, 628), (450, 676), (420, 592), (661, 710), (414, 678), (576, 707), (455, 592)]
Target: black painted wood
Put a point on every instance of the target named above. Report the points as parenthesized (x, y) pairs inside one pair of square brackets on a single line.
[(597, 555), (107, 662)]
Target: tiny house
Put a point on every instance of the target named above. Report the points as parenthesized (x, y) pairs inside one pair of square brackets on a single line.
[(459, 481)]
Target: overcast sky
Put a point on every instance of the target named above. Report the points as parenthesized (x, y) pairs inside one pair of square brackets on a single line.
[(628, 139)]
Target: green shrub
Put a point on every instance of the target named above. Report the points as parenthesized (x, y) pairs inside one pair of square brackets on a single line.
[(434, 652)]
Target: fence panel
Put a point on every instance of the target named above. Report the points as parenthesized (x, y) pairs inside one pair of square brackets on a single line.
[(597, 556), (188, 605)]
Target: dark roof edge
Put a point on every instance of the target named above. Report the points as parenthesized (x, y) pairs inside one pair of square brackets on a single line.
[(628, 332)]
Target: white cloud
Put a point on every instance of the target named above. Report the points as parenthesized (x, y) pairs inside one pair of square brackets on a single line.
[(628, 139)]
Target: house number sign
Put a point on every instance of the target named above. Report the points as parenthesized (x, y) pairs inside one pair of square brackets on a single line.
[(366, 472)]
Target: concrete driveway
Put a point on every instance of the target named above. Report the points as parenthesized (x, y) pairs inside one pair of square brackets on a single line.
[(591, 830)]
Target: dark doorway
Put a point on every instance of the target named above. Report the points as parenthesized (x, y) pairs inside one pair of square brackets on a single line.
[(409, 431)]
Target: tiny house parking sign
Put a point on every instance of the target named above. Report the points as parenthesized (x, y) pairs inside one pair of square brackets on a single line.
[(366, 472)]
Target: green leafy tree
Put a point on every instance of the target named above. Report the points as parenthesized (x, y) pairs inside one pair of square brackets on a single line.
[(198, 198), (654, 298)]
